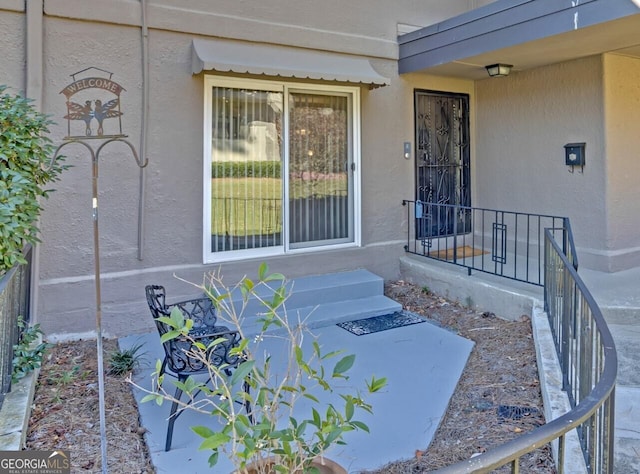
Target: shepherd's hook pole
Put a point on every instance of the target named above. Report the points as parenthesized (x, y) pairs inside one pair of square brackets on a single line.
[(96, 253)]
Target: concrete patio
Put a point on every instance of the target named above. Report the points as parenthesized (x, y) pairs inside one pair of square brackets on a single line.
[(422, 362)]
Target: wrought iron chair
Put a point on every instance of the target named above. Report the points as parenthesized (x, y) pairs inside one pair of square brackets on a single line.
[(177, 359)]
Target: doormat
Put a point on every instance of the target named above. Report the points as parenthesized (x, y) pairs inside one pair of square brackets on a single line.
[(361, 327), (461, 252)]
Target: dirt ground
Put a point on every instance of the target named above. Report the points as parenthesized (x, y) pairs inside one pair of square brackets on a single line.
[(497, 398)]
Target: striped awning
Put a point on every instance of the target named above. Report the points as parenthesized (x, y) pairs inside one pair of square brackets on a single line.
[(282, 61)]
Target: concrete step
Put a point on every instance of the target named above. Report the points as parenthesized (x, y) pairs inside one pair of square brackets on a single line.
[(311, 291), (325, 314), (319, 300)]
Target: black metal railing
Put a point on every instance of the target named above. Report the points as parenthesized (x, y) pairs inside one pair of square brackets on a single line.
[(589, 365), (15, 294), (586, 351), (504, 243)]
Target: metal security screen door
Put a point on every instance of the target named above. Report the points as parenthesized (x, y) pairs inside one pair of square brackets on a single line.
[(281, 168), (442, 164)]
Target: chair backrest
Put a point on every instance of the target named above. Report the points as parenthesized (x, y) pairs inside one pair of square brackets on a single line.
[(200, 310), (156, 300), (203, 314)]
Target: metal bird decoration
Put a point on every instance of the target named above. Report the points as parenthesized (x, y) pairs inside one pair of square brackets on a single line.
[(104, 111), (81, 112)]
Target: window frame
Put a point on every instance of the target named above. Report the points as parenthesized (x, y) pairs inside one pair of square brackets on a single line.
[(284, 87)]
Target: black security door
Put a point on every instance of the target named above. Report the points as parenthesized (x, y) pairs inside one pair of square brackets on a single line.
[(443, 175)]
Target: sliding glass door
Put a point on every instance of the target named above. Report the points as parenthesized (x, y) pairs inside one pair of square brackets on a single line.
[(246, 169), (320, 181), (279, 168)]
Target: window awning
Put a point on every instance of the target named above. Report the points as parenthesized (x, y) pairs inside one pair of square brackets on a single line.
[(282, 61)]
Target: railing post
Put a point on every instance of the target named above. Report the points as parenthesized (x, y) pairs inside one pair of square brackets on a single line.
[(565, 236), (609, 429), (566, 330)]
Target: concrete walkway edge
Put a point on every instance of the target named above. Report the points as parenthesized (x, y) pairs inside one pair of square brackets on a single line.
[(555, 400), (15, 412)]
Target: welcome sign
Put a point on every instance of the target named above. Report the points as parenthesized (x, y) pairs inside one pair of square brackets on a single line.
[(91, 102)]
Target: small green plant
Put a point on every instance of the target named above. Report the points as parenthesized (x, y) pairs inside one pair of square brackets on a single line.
[(426, 290), (56, 398), (123, 362), (468, 302), (67, 376), (64, 377), (27, 356), (25, 168)]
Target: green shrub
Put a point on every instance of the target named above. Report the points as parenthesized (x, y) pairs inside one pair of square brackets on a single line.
[(25, 168), (250, 169), (27, 353)]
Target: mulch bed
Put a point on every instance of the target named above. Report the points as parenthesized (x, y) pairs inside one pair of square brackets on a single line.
[(501, 374), (65, 412)]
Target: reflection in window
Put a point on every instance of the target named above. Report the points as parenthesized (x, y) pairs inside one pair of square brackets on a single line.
[(246, 160)]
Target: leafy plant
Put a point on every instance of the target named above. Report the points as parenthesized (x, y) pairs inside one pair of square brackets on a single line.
[(276, 434), (66, 377), (125, 361), (25, 169), (27, 356)]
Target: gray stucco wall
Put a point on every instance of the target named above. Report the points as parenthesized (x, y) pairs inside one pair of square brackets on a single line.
[(622, 116), (523, 122), (12, 34), (173, 201)]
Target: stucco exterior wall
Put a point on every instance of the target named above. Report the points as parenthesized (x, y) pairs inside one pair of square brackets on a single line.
[(523, 122), (12, 34), (621, 119), (173, 201)]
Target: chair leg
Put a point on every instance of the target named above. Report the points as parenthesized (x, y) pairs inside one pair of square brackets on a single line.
[(173, 416)]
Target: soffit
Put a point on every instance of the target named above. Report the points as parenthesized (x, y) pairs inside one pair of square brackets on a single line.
[(525, 33), (282, 61)]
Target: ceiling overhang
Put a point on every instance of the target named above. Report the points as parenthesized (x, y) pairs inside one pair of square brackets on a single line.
[(282, 61), (525, 33)]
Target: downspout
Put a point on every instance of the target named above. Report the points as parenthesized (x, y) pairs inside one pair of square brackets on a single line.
[(34, 78), (34, 62), (144, 128)]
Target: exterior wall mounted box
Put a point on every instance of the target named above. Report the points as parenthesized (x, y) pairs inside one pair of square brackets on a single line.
[(574, 154)]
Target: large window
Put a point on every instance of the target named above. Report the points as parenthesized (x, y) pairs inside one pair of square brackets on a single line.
[(280, 170)]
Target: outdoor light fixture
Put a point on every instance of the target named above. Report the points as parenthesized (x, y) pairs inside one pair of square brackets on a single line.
[(498, 70)]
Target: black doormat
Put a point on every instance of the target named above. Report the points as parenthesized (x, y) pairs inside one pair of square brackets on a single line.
[(361, 327)]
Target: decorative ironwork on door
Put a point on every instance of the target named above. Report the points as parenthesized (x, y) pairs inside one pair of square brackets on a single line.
[(442, 164)]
